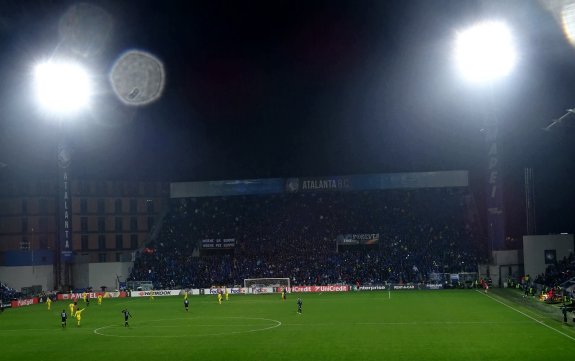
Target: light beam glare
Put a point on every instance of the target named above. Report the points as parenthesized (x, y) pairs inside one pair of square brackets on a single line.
[(568, 22)]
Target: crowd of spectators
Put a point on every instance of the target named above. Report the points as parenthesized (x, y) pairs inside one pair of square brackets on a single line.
[(7, 293), (420, 231), (559, 273)]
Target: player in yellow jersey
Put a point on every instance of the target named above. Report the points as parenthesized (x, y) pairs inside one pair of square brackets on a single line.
[(48, 303), (227, 294), (79, 315), (220, 297), (151, 295), (71, 307), (100, 300), (84, 295), (185, 295)]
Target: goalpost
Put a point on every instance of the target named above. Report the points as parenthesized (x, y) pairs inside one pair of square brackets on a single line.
[(253, 285)]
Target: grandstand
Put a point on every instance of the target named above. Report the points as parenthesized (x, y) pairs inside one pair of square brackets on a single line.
[(404, 231)]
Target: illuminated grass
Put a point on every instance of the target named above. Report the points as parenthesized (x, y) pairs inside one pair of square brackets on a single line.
[(411, 325)]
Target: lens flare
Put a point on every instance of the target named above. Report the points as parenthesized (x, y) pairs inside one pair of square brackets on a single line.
[(138, 78)]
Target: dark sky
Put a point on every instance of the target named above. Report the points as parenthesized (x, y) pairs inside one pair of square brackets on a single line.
[(277, 88)]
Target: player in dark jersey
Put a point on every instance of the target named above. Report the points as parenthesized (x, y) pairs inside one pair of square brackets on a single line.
[(126, 316), (284, 294), (64, 318), (186, 304), (299, 303)]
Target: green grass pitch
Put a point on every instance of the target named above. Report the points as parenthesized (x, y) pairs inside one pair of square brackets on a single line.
[(404, 325)]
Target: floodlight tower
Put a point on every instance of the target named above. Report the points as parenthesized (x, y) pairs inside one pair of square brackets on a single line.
[(63, 90), (484, 54)]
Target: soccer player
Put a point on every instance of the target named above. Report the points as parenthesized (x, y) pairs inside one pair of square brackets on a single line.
[(485, 285), (186, 304), (87, 300), (220, 297), (227, 294), (284, 294), (100, 300), (71, 307), (126, 316), (299, 303), (79, 315), (185, 295), (151, 295), (64, 318), (84, 296), (48, 302)]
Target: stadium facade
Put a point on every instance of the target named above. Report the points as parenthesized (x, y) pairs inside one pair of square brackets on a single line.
[(109, 220)]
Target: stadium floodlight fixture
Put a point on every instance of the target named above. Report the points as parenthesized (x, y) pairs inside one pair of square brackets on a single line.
[(485, 52), (62, 87)]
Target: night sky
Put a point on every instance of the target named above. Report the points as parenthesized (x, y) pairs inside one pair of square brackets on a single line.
[(258, 89)]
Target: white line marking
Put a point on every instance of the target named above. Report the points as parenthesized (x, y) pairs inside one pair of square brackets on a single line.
[(56, 327), (413, 323), (204, 325), (277, 324), (526, 315)]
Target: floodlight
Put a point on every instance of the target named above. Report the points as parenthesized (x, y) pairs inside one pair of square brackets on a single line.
[(62, 88), (485, 52)]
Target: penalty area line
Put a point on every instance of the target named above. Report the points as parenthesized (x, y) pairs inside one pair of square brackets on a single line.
[(526, 315)]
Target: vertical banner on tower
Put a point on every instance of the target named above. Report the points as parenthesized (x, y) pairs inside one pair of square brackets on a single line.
[(495, 214), (64, 202)]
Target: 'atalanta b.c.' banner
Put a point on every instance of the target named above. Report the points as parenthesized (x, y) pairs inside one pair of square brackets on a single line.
[(361, 182)]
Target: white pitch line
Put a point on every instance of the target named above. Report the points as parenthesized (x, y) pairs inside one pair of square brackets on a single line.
[(43, 329), (277, 324), (526, 315), (203, 325), (413, 323)]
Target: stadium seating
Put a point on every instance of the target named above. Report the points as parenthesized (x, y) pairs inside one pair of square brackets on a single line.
[(293, 235)]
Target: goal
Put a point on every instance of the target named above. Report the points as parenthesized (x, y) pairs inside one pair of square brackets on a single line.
[(256, 285)]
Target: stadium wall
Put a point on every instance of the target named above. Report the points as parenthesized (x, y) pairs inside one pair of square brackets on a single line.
[(542, 251), (26, 276), (81, 275), (96, 275), (509, 265)]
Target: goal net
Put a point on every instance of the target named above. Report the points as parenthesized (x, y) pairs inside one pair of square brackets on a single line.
[(256, 285)]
